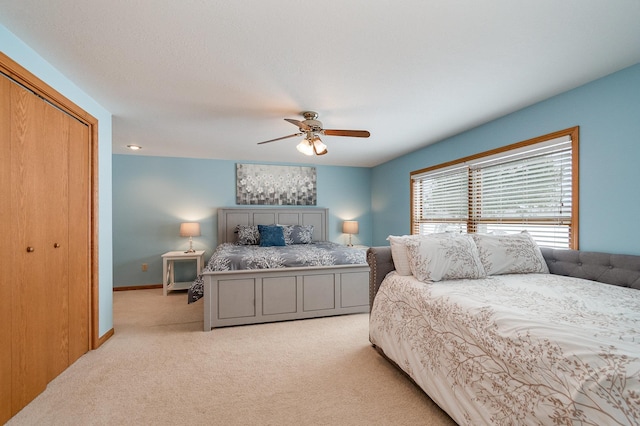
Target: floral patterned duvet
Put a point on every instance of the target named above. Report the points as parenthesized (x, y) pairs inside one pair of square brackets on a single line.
[(232, 257), (516, 349)]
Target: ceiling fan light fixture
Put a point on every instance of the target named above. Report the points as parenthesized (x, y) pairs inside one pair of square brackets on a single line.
[(305, 147), (318, 147)]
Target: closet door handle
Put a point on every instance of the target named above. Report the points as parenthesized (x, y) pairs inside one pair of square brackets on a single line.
[(56, 245), (30, 249)]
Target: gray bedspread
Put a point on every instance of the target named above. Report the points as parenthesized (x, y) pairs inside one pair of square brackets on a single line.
[(232, 257)]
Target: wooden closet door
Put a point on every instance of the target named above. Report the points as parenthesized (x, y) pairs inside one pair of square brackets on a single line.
[(6, 265), (30, 316), (50, 226), (53, 200), (79, 178)]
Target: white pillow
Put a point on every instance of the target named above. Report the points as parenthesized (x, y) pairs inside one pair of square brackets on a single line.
[(444, 257), (399, 251), (510, 254), (399, 254)]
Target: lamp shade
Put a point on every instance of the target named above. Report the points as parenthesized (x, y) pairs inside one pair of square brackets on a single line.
[(319, 148), (190, 229), (305, 147), (350, 226)]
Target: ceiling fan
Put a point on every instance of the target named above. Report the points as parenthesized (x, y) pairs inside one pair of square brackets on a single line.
[(312, 129)]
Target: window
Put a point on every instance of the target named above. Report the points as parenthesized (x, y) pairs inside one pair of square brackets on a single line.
[(530, 185)]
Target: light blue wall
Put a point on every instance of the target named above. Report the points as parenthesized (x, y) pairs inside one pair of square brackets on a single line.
[(152, 195), (13, 47), (608, 113)]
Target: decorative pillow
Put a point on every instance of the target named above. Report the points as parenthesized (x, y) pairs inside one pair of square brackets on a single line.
[(510, 254), (297, 234), (444, 257), (399, 251), (248, 234), (271, 235), (399, 254)]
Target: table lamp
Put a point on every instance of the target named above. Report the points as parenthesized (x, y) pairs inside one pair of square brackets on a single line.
[(190, 229), (350, 227)]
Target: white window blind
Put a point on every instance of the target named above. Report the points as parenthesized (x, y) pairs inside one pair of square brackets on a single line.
[(441, 201), (528, 188)]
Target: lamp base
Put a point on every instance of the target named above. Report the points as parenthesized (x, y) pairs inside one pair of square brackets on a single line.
[(191, 250)]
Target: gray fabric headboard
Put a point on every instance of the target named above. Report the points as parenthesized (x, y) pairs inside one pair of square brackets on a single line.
[(616, 269)]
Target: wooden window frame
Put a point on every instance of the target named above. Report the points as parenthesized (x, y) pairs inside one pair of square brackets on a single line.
[(573, 133)]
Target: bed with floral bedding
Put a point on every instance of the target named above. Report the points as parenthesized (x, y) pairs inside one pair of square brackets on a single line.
[(275, 264), (237, 257), (498, 331)]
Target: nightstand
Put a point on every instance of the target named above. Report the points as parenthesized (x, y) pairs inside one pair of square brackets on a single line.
[(168, 260)]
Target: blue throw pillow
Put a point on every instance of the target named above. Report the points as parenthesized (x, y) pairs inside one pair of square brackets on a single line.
[(271, 235)]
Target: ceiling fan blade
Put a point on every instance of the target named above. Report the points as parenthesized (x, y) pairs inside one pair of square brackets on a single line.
[(352, 133), (298, 123), (284, 137)]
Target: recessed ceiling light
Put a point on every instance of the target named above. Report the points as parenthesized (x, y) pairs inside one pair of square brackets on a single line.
[(134, 147)]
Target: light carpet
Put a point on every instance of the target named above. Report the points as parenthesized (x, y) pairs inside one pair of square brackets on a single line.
[(160, 368)]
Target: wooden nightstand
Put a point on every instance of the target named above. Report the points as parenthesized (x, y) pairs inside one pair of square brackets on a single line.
[(168, 260)]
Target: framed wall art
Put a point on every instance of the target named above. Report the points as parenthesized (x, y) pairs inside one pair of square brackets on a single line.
[(275, 185)]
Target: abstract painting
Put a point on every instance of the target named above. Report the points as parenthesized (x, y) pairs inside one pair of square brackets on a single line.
[(275, 185)]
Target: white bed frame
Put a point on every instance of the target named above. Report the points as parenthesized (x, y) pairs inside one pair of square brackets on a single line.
[(268, 295)]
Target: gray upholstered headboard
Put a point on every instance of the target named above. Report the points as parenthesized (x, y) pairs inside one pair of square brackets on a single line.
[(616, 269), (230, 217)]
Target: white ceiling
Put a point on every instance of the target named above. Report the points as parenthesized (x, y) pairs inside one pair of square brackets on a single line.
[(211, 78)]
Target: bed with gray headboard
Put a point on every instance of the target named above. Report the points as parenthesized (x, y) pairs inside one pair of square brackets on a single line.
[(489, 354), (237, 297)]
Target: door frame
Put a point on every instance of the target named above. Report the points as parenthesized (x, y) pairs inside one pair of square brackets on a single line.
[(27, 79)]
